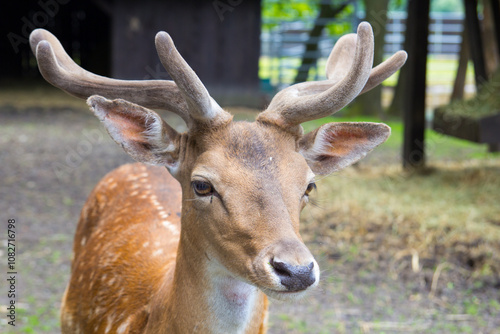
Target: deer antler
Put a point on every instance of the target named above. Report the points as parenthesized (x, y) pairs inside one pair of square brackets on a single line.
[(349, 73), (201, 104), (186, 97)]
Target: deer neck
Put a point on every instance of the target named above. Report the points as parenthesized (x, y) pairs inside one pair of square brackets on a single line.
[(205, 298)]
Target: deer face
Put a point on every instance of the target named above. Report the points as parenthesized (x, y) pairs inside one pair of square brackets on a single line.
[(242, 199)]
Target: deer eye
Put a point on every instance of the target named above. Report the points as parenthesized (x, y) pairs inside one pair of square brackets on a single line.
[(202, 188), (310, 187)]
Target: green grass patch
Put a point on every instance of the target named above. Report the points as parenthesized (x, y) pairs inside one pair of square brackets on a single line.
[(440, 70)]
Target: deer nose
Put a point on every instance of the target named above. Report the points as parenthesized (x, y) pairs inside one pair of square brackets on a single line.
[(294, 278)]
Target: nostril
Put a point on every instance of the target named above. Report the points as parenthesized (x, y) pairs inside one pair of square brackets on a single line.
[(281, 268), (294, 278)]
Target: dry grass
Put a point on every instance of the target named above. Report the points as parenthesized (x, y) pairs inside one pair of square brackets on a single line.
[(450, 214)]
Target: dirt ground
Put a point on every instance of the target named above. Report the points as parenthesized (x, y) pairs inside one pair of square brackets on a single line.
[(50, 160)]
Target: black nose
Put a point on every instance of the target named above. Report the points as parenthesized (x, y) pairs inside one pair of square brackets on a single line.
[(294, 278)]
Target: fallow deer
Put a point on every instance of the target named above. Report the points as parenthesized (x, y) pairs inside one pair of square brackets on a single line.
[(199, 249)]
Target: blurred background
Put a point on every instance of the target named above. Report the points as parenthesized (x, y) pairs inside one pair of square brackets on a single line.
[(409, 238)]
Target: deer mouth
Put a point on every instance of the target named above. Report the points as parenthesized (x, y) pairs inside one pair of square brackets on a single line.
[(284, 295)]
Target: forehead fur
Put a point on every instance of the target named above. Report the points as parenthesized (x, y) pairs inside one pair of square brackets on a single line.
[(256, 145)]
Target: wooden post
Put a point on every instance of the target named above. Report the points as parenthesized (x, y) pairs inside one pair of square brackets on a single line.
[(475, 41), (495, 11), (414, 105), (463, 61)]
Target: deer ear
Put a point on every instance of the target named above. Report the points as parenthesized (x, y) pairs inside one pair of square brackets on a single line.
[(141, 132), (334, 146)]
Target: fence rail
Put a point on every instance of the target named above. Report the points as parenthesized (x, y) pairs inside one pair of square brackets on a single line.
[(284, 46)]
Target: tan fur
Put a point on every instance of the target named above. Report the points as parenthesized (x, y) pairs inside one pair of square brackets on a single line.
[(104, 267)]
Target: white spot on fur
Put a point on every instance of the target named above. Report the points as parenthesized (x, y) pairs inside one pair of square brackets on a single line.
[(168, 225), (84, 240), (158, 252), (146, 244), (109, 324), (68, 319), (123, 327), (131, 177)]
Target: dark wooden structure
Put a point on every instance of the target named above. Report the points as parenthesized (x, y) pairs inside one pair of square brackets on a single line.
[(484, 129), (414, 105), (481, 130), (219, 39), (81, 26)]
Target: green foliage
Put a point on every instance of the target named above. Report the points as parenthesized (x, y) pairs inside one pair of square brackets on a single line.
[(340, 27), (274, 12), (448, 6), (397, 5), (485, 103)]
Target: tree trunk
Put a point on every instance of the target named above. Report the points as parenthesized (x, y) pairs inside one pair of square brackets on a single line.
[(463, 61), (327, 13), (401, 89), (490, 49)]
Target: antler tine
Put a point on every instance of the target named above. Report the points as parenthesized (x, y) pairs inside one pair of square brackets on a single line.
[(312, 100), (202, 106), (385, 69), (341, 58), (61, 71)]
